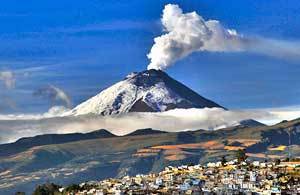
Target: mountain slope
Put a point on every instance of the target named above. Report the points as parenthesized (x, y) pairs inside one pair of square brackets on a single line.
[(147, 91), (147, 131), (96, 159), (251, 123), (50, 139), (47, 139)]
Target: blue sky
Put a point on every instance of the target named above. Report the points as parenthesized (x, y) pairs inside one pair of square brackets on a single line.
[(84, 46)]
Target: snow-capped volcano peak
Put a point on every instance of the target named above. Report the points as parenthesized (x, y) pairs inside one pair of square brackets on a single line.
[(147, 91)]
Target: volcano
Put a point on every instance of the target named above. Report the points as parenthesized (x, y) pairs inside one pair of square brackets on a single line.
[(146, 91)]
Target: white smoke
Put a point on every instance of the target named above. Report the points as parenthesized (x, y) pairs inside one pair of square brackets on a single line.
[(8, 78), (189, 32), (54, 94)]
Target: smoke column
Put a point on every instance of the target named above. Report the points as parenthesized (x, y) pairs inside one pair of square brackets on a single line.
[(186, 33)]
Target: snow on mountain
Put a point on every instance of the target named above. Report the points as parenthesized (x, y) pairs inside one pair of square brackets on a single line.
[(147, 91)]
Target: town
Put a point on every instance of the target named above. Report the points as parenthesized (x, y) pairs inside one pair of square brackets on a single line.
[(232, 177)]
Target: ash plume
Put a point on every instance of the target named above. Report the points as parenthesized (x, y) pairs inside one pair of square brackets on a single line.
[(186, 33)]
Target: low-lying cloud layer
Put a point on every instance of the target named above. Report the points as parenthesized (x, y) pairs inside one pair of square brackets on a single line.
[(13, 127), (189, 32)]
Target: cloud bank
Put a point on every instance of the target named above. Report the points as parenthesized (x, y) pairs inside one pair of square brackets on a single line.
[(186, 33), (13, 127)]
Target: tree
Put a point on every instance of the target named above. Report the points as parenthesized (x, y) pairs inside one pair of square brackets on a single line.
[(72, 188), (225, 142), (277, 161), (191, 164), (47, 189), (20, 193), (241, 155), (223, 161)]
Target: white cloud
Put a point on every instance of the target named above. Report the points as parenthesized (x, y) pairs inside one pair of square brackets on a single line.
[(8, 78), (186, 33), (13, 127), (54, 94)]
